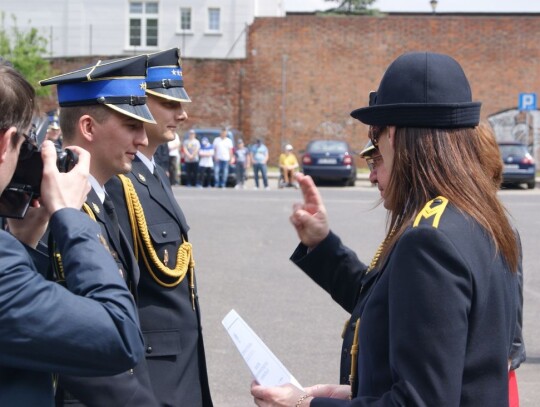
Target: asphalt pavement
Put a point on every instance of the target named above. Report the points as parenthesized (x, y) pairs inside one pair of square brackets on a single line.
[(242, 240)]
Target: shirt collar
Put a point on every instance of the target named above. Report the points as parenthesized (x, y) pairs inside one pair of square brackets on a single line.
[(150, 164), (100, 191)]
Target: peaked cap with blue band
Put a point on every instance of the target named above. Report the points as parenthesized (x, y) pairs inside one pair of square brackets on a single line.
[(422, 89), (164, 76), (118, 84)]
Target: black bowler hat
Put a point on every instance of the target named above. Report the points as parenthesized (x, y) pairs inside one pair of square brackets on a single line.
[(118, 84), (422, 89), (164, 76)]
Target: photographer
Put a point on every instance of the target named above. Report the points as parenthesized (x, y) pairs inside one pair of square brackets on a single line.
[(90, 330)]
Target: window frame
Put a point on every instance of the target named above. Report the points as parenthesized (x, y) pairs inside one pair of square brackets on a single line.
[(180, 29), (148, 22), (209, 29)]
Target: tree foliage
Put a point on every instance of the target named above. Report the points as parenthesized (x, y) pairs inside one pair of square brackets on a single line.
[(24, 49), (353, 6)]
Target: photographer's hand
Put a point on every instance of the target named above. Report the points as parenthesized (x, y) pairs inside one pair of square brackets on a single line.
[(31, 228), (64, 190)]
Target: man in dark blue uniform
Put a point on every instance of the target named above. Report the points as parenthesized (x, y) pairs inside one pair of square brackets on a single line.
[(103, 110), (168, 305), (90, 328)]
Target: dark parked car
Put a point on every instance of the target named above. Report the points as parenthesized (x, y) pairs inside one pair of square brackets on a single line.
[(211, 134), (519, 165), (329, 160)]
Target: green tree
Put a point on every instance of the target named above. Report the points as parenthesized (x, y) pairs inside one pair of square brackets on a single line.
[(25, 50), (353, 6)]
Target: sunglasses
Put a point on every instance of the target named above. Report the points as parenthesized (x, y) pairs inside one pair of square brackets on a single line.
[(375, 133), (373, 162), (29, 145)]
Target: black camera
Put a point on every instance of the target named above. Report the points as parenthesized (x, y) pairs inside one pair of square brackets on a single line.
[(26, 182)]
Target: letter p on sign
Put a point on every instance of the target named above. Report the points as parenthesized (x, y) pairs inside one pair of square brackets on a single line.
[(527, 101)]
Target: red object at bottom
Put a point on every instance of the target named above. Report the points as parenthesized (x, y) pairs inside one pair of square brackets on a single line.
[(513, 395)]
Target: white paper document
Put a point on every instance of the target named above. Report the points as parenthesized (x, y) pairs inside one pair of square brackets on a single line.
[(264, 365)]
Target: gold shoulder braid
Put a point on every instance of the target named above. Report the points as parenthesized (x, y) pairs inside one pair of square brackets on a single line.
[(379, 251), (143, 246), (89, 211), (354, 356)]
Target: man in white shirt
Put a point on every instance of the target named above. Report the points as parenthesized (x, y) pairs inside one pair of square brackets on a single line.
[(223, 152)]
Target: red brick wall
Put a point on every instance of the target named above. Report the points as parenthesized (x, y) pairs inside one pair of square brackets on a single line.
[(332, 62)]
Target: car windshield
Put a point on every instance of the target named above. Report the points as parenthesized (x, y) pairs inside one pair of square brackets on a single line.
[(326, 146), (513, 150)]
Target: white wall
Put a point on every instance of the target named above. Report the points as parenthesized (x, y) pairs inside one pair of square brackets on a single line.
[(100, 27)]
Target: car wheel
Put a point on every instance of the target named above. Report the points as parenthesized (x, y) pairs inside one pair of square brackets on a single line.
[(531, 184), (351, 182)]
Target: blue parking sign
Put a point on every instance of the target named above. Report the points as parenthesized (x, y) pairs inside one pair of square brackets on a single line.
[(527, 101)]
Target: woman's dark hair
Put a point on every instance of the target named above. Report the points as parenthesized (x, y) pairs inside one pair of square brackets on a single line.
[(432, 162), (17, 100)]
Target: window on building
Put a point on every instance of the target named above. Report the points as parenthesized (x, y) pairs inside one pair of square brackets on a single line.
[(185, 19), (214, 23), (143, 23)]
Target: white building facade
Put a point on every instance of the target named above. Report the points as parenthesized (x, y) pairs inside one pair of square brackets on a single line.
[(213, 29)]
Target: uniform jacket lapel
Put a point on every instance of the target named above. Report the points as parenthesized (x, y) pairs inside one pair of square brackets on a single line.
[(161, 193), (121, 247)]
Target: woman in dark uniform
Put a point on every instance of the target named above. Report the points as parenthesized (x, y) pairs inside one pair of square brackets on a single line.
[(436, 326)]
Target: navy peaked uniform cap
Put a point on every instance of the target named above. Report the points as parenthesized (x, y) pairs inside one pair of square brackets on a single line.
[(118, 84), (422, 89), (164, 76), (369, 150)]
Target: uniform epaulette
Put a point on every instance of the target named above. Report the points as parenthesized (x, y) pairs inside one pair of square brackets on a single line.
[(434, 208)]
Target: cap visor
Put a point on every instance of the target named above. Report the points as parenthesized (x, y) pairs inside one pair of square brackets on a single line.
[(366, 152), (139, 112), (178, 94)]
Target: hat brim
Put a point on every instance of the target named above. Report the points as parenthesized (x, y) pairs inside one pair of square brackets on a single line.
[(177, 94), (139, 112), (420, 115)]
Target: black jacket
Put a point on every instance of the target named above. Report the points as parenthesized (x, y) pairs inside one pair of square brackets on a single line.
[(437, 322)]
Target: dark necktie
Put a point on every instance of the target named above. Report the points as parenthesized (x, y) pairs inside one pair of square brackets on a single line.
[(111, 214)]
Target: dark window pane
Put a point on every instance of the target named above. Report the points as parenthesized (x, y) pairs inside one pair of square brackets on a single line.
[(134, 32), (152, 32)]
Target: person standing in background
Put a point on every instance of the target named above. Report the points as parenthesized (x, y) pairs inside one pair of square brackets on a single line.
[(223, 154), (206, 164), (259, 160), (174, 155), (242, 163), (190, 151)]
